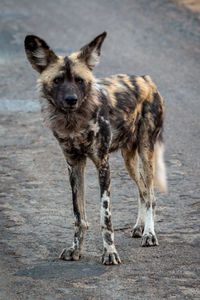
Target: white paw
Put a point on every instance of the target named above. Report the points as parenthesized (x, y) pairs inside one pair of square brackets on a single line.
[(149, 240)]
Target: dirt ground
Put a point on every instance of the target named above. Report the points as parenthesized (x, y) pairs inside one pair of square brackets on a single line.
[(36, 219)]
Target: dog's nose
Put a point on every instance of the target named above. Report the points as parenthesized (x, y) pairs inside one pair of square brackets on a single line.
[(70, 99)]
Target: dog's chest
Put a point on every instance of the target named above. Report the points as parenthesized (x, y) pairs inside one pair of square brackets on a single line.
[(79, 142)]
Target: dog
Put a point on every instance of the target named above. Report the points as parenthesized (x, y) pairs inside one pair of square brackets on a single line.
[(91, 118)]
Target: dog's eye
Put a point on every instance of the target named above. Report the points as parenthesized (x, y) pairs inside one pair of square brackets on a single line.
[(58, 80), (79, 80)]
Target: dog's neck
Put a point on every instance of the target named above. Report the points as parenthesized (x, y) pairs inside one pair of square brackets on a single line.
[(65, 123)]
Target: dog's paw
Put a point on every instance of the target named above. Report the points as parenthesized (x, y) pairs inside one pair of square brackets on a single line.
[(110, 258), (149, 240), (70, 254), (137, 231)]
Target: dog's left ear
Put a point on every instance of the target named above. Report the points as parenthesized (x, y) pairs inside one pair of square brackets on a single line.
[(90, 53)]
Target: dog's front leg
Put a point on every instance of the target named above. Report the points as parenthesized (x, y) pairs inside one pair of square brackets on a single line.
[(76, 176), (110, 255)]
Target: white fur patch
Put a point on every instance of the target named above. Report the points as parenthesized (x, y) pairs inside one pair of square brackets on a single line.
[(99, 88), (103, 210), (109, 248), (38, 86), (69, 167), (104, 120), (141, 213), (149, 224), (105, 197), (41, 57), (93, 59), (160, 177)]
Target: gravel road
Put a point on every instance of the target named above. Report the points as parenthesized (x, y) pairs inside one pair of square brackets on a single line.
[(152, 37)]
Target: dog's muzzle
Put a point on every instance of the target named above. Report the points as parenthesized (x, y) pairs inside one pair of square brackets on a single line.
[(70, 100)]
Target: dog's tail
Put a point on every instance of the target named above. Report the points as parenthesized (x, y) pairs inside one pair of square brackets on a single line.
[(160, 177)]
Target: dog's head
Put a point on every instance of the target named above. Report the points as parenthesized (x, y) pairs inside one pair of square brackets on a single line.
[(64, 81)]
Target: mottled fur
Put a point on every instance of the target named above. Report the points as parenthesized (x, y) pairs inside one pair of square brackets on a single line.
[(92, 117)]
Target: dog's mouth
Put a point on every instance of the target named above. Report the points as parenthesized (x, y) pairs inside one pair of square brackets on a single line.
[(69, 108)]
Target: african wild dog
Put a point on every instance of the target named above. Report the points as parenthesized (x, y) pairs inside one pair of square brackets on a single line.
[(92, 117)]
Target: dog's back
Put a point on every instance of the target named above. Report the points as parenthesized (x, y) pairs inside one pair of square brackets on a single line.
[(130, 100)]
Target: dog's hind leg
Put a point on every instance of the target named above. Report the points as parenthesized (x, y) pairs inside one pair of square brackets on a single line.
[(76, 175), (132, 166), (147, 155)]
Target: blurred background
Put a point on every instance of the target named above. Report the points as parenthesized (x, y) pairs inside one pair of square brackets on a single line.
[(159, 38)]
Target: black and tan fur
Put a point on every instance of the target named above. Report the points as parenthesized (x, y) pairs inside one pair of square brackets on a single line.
[(92, 117)]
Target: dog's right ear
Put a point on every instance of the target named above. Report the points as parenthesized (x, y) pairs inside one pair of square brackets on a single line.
[(38, 53)]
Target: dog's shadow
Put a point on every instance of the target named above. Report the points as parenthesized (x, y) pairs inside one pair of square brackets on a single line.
[(56, 268)]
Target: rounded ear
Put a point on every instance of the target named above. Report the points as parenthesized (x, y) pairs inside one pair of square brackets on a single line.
[(38, 53), (90, 53)]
